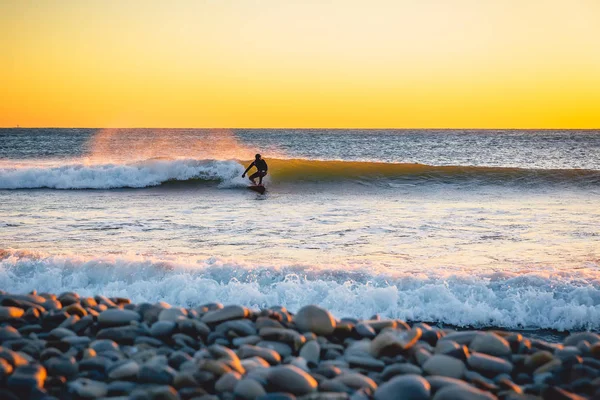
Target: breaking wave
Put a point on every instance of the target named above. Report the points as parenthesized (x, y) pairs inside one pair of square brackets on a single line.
[(533, 299), (156, 172)]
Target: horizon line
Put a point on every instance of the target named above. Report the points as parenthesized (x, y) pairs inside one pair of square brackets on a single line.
[(294, 128)]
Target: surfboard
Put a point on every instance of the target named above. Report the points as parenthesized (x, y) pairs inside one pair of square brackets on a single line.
[(258, 189)]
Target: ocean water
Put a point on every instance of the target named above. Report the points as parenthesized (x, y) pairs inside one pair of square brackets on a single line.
[(469, 228)]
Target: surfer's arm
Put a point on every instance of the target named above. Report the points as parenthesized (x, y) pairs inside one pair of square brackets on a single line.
[(248, 169)]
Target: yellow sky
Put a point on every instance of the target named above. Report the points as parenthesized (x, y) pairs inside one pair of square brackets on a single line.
[(300, 63)]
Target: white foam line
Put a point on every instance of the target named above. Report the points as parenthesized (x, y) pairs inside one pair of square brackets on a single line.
[(545, 298)]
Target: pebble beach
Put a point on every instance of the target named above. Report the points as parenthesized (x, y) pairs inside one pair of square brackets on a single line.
[(68, 346)]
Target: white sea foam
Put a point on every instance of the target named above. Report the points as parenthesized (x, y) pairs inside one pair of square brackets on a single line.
[(544, 298), (108, 176)]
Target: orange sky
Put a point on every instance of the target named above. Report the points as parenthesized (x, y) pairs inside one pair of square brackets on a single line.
[(301, 63)]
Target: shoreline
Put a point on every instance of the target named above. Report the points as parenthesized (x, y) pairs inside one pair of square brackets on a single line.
[(68, 346)]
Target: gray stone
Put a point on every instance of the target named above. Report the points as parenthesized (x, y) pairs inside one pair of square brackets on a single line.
[(172, 314), (14, 358), (270, 355), (291, 379), (225, 314), (61, 366), (464, 337), (575, 338), (126, 369), (400, 369), (117, 317), (443, 365), (461, 392), (392, 343), (5, 369), (446, 346), (122, 334), (283, 349), (240, 341), (315, 319), (163, 328), (59, 333), (155, 392), (27, 377), (365, 330), (311, 352), (437, 382), (227, 382), (88, 388), (157, 374), (102, 345), (120, 388), (241, 327), (366, 362), (489, 365), (406, 387), (356, 381), (9, 313), (491, 344), (8, 333), (249, 389)]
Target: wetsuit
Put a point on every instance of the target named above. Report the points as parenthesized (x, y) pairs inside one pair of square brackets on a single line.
[(261, 166)]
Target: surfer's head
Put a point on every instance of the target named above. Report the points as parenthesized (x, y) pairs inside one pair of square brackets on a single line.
[(257, 157)]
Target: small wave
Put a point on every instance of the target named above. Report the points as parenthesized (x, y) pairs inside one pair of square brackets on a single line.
[(160, 171), (537, 299)]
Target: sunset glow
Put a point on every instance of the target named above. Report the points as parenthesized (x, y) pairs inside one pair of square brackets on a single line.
[(301, 63)]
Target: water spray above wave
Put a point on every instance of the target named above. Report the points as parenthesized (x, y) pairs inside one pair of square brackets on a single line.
[(541, 298)]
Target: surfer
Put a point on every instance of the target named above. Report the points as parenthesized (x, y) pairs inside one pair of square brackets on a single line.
[(261, 166)]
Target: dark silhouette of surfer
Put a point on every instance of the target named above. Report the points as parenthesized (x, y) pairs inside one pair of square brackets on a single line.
[(261, 166)]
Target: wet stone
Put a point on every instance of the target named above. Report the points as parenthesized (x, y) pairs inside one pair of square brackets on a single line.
[(459, 392), (575, 338), (409, 387), (117, 317), (104, 345), (391, 343), (163, 328), (120, 388), (311, 352), (26, 377), (9, 333), (283, 349), (225, 314), (123, 370), (491, 344), (489, 365), (15, 359), (156, 374), (62, 366), (227, 382), (172, 314), (10, 313), (248, 389), (291, 379), (437, 382), (443, 365), (356, 381), (315, 319), (399, 369)]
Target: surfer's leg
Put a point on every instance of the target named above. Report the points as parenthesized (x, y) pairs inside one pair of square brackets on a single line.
[(262, 175), (253, 177)]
